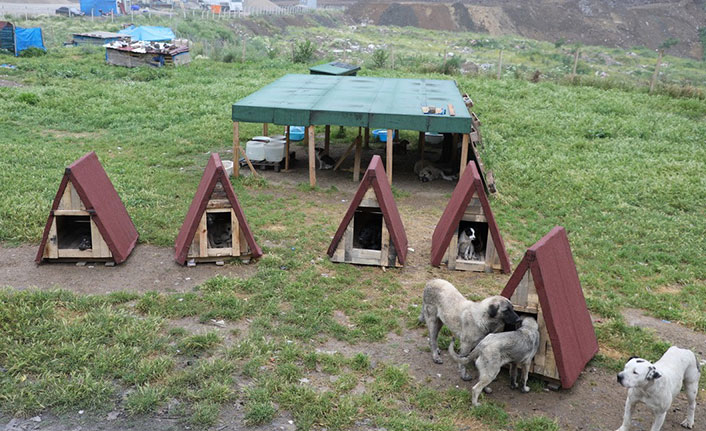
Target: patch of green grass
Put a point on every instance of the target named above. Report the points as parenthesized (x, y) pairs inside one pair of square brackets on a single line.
[(199, 343), (537, 423), (491, 414), (144, 399), (205, 414)]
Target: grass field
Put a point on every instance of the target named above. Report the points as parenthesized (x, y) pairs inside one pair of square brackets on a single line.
[(622, 170)]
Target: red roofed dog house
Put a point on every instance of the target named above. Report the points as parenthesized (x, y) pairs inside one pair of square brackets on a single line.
[(215, 226), (87, 221), (371, 232), (469, 208), (547, 285)]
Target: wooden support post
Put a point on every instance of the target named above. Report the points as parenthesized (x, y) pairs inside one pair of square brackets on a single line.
[(345, 154), (389, 155), (454, 148), (265, 129), (464, 154), (286, 156), (356, 162), (312, 156), (327, 138), (422, 141), (367, 138), (656, 74), (500, 64), (236, 149)]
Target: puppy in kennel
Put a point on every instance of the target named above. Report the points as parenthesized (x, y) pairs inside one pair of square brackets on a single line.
[(470, 246)]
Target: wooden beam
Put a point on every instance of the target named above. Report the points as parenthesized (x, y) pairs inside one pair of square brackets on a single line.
[(464, 154), (345, 154), (327, 138), (367, 138), (454, 148), (389, 155), (236, 149), (203, 236), (312, 156), (265, 129), (356, 162)]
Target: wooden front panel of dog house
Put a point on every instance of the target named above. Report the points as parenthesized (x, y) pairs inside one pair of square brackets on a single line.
[(491, 261), (200, 247), (64, 236), (525, 300), (347, 252)]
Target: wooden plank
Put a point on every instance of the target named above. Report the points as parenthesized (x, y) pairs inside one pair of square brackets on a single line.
[(286, 154), (364, 261), (369, 199), (356, 161), (236, 149), (467, 265), (327, 138), (65, 202), (389, 155), (519, 297), (347, 241), (76, 203), (235, 234), (452, 111), (219, 210), (345, 154), (464, 154), (202, 231), (362, 253), (312, 156), (367, 138), (219, 252), (474, 207), (474, 218), (421, 141), (51, 249), (71, 213), (218, 203), (244, 247), (532, 296), (98, 246), (75, 253), (453, 251), (384, 245), (265, 129), (490, 253)]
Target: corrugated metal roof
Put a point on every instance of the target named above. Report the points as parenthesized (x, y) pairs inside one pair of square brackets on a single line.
[(469, 185), (563, 305), (102, 35), (388, 103), (375, 177), (99, 196), (213, 174)]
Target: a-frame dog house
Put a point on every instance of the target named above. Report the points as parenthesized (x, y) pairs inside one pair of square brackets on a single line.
[(546, 285), (371, 232), (215, 226), (469, 208), (87, 221)]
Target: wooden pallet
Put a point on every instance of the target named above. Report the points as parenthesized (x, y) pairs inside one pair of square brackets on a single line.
[(264, 164)]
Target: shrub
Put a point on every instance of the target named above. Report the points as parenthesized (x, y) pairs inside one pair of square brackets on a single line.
[(32, 52), (450, 66), (379, 58), (303, 52), (28, 98)]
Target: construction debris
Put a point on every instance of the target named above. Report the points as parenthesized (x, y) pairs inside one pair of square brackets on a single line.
[(140, 53)]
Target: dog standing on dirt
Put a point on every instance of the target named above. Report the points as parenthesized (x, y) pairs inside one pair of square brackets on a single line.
[(470, 321), (516, 348), (657, 384)]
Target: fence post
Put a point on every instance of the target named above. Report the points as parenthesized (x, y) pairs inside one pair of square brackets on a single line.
[(243, 43), (500, 64), (576, 62)]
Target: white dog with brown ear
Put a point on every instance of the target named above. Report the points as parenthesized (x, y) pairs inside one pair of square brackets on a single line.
[(657, 384)]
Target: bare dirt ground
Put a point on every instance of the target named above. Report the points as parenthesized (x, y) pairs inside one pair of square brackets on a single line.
[(594, 403)]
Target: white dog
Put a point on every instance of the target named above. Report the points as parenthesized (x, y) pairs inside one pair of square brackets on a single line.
[(465, 243), (657, 385), (427, 171)]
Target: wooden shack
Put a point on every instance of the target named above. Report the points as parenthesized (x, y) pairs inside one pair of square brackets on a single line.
[(215, 227), (371, 232), (155, 54), (546, 285), (97, 38), (87, 221), (469, 208)]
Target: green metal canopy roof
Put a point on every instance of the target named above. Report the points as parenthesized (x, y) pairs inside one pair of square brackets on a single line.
[(385, 103), (334, 68)]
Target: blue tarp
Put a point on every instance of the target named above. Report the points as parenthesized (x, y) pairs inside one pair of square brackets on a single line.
[(28, 38), (149, 33), (97, 7)]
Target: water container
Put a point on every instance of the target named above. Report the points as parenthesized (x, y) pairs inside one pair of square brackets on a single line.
[(296, 133), (261, 138), (255, 150), (278, 138), (433, 138), (274, 151), (228, 166), (381, 135)]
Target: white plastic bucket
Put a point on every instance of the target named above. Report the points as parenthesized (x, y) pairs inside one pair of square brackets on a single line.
[(255, 150)]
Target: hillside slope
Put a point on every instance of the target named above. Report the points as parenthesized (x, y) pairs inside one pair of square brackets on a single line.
[(594, 22)]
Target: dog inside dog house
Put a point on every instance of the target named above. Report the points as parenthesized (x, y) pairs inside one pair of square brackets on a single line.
[(215, 227), (467, 237), (87, 221), (371, 232), (546, 285)]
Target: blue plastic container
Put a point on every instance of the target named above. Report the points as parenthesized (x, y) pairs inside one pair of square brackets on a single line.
[(381, 135), (296, 133)]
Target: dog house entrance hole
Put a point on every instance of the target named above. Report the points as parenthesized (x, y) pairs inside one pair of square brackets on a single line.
[(480, 243), (367, 229), (73, 232), (220, 229)]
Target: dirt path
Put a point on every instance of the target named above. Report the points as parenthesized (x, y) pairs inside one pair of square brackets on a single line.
[(148, 268), (672, 333)]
